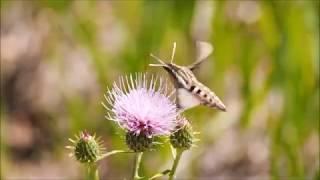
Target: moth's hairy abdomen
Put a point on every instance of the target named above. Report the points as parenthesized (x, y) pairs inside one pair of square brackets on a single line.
[(206, 96)]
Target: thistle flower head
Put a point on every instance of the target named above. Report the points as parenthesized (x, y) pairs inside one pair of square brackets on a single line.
[(182, 138), (86, 148), (141, 107)]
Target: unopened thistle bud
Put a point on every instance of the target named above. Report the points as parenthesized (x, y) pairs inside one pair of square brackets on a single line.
[(140, 142), (86, 148), (182, 138)]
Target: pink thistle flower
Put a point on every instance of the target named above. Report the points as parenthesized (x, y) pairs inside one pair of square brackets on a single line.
[(140, 107)]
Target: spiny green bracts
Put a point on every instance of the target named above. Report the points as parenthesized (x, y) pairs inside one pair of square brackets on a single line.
[(182, 138), (139, 143), (86, 148)]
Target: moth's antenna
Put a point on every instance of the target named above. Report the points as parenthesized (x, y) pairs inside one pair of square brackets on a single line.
[(158, 59), (173, 51)]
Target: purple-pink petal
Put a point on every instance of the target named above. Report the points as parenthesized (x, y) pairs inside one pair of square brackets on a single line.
[(142, 108)]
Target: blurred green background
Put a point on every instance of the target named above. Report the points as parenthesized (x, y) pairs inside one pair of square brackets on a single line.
[(59, 56)]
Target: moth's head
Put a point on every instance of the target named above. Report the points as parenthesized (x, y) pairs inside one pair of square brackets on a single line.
[(171, 68), (167, 66)]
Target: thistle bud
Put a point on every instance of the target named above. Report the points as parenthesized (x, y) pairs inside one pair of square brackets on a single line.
[(139, 142), (86, 148), (182, 138)]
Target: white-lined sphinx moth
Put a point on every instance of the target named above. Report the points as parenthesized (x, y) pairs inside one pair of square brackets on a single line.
[(189, 91)]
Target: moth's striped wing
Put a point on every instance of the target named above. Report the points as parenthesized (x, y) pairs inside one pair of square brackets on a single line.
[(204, 49)]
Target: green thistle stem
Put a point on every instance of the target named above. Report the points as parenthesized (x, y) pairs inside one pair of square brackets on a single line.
[(92, 172), (175, 163), (137, 163), (163, 173), (112, 153)]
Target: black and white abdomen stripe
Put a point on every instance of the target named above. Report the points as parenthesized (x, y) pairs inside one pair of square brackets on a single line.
[(206, 96)]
